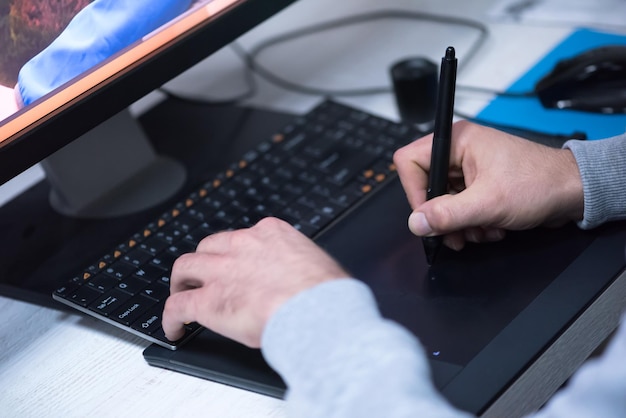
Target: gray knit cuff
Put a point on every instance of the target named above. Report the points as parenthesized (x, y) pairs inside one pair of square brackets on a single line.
[(602, 166)]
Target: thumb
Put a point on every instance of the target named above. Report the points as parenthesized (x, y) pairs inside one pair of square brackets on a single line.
[(450, 213)]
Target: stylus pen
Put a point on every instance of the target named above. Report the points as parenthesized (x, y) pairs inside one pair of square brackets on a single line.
[(442, 135)]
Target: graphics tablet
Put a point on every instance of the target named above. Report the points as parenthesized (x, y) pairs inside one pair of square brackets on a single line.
[(485, 314)]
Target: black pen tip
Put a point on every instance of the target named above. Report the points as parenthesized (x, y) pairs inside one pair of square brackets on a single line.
[(450, 53), (430, 258), (431, 248)]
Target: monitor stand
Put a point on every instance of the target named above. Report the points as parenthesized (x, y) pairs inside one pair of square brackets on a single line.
[(52, 230), (111, 171)]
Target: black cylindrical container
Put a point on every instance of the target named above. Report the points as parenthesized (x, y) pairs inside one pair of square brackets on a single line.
[(415, 88)]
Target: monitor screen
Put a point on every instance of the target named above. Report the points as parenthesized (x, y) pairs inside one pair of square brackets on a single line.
[(129, 48)]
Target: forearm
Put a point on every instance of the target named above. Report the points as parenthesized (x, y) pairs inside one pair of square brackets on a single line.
[(340, 358), (602, 166)]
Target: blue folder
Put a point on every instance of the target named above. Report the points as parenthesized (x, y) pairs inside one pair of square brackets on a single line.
[(528, 112)]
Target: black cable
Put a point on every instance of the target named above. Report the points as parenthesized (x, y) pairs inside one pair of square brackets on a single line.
[(248, 93), (485, 90), (252, 65), (347, 21), (546, 138)]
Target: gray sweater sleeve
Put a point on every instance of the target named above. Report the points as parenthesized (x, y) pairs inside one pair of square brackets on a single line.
[(341, 359), (602, 166)]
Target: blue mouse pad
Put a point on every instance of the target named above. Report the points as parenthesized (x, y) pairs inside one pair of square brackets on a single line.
[(530, 114)]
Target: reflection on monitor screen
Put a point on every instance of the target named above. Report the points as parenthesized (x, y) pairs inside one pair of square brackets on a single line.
[(26, 28), (68, 66), (59, 48), (64, 33)]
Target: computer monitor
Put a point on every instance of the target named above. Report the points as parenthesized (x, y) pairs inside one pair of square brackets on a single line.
[(113, 152)]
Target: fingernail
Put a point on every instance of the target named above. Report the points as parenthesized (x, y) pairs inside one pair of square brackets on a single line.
[(495, 235), (418, 224)]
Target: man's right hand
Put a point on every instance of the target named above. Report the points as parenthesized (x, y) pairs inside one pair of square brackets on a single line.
[(496, 182)]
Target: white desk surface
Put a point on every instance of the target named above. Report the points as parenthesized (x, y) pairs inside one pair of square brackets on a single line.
[(54, 363)]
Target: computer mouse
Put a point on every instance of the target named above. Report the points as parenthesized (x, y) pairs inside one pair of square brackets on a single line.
[(592, 81)]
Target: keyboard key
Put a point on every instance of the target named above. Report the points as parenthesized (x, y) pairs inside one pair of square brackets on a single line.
[(156, 292), (169, 234), (84, 295), (344, 164), (66, 290), (153, 245), (185, 223), (195, 236), (164, 261), (150, 322), (120, 270), (150, 273), (137, 257), (180, 248), (132, 285), (132, 310), (103, 282), (109, 302)]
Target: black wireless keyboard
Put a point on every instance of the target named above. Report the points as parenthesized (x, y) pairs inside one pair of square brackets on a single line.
[(309, 174)]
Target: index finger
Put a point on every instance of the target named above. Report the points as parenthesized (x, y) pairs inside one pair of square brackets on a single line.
[(413, 164), (179, 310), (191, 271)]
